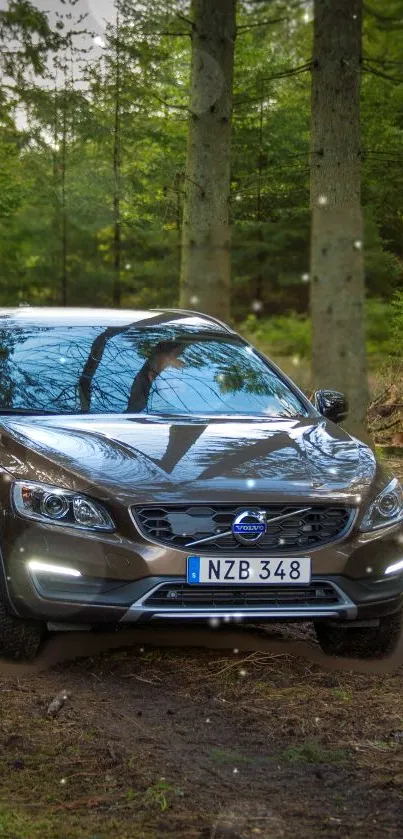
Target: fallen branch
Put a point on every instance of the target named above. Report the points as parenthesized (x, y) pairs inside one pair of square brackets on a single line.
[(88, 803)]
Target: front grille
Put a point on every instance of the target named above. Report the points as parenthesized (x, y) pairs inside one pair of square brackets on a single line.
[(178, 526), (183, 595)]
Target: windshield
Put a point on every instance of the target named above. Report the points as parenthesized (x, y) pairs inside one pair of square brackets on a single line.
[(123, 369)]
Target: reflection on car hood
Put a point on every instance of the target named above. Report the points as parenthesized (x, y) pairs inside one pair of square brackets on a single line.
[(157, 459)]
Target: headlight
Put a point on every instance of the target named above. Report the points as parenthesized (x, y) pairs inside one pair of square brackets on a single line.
[(387, 508), (60, 506)]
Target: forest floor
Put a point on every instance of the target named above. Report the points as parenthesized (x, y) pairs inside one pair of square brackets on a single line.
[(201, 734)]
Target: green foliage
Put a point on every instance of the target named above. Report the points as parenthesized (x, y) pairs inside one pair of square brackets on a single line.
[(396, 340), (378, 325), (56, 170), (383, 267), (11, 188), (282, 335), (26, 38), (156, 797), (290, 335)]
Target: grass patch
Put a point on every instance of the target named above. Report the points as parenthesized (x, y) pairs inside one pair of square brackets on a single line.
[(342, 694), (158, 796), (19, 826), (16, 824), (312, 752)]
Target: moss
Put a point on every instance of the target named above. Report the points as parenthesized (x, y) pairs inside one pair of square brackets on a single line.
[(313, 752)]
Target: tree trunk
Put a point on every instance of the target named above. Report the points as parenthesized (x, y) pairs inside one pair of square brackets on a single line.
[(64, 277), (337, 271), (117, 231), (56, 261), (206, 246)]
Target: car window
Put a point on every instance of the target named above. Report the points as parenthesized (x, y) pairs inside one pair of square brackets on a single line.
[(123, 369)]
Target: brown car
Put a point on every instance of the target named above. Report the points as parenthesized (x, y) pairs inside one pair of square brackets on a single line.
[(154, 466)]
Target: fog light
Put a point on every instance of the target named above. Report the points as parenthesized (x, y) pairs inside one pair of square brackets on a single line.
[(394, 569), (47, 568)]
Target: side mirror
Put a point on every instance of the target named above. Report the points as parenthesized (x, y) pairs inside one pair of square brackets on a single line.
[(331, 404)]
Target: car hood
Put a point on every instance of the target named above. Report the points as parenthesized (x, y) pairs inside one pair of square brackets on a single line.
[(154, 459)]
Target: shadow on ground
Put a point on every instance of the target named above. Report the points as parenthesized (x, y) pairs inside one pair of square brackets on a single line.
[(273, 640)]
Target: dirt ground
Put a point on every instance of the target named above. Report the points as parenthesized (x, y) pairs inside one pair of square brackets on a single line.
[(264, 738), (211, 734)]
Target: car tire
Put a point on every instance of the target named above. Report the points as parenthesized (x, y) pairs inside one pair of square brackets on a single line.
[(19, 639), (361, 642)]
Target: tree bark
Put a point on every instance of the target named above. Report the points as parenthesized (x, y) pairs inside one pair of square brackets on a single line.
[(56, 255), (337, 270), (206, 243), (64, 244), (117, 229)]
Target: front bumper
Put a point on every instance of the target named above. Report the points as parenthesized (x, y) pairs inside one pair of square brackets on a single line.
[(170, 598), (122, 580), (176, 600)]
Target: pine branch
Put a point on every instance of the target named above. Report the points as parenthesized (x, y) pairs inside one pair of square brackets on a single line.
[(377, 164), (271, 21), (377, 152), (168, 104), (184, 19), (174, 189), (383, 61), (303, 68), (367, 69), (373, 158), (172, 34), (202, 191), (295, 71), (165, 33)]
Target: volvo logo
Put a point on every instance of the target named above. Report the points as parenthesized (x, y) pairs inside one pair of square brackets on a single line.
[(248, 527)]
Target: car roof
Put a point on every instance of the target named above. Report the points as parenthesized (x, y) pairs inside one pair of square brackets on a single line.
[(82, 316)]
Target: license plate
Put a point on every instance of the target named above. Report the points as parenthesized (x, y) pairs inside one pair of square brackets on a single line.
[(276, 570)]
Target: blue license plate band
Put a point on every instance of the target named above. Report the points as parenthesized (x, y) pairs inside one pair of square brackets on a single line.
[(193, 569)]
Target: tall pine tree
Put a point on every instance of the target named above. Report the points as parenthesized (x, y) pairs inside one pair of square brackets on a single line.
[(206, 248), (337, 268)]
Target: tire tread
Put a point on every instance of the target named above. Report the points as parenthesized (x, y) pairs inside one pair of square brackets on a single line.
[(361, 642), (19, 639)]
